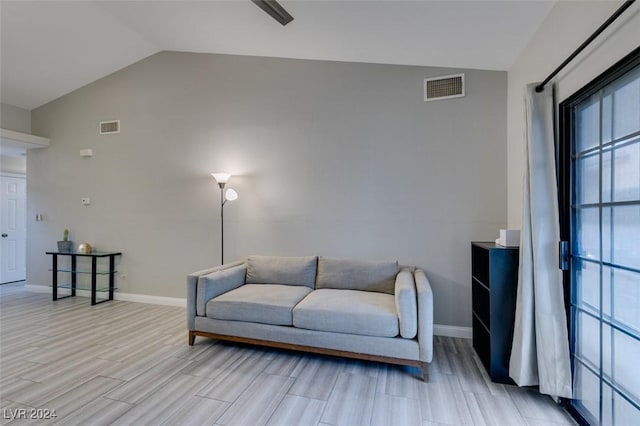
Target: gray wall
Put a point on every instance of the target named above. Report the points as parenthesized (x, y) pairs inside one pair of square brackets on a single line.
[(331, 158), (19, 120), (14, 118)]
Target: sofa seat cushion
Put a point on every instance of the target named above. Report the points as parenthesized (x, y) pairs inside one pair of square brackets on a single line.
[(348, 311), (263, 303)]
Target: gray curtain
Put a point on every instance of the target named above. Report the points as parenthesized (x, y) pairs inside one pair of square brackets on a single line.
[(540, 351)]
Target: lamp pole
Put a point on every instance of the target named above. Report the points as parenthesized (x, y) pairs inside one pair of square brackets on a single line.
[(222, 203), (230, 195)]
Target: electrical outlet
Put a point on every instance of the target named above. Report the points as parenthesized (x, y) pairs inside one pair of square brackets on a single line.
[(85, 201)]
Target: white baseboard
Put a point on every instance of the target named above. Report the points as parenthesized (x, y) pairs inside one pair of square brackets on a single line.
[(127, 297), (153, 300), (452, 331), (438, 329)]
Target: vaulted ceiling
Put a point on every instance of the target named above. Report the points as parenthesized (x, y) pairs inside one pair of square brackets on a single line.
[(50, 48)]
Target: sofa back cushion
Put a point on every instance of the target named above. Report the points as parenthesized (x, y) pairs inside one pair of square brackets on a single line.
[(353, 274), (282, 270)]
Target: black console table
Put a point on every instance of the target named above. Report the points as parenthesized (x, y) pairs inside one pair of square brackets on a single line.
[(73, 285)]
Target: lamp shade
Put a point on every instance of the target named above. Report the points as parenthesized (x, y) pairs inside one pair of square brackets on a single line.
[(230, 195), (221, 177)]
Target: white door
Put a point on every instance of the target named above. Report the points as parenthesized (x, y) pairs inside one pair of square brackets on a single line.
[(13, 229)]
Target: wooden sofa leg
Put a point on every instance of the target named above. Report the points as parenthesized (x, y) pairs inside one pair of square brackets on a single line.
[(425, 372), (192, 338)]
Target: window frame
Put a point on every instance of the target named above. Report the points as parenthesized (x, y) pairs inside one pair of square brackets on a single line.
[(565, 176)]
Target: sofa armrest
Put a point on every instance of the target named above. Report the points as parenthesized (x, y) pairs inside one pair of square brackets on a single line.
[(405, 295), (192, 289), (425, 315)]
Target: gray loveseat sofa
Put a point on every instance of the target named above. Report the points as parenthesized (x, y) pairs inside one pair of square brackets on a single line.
[(373, 310)]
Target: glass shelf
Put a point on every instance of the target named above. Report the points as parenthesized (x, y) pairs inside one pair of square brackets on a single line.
[(83, 271), (85, 287)]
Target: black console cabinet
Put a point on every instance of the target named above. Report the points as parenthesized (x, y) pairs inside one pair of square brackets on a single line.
[(494, 282)]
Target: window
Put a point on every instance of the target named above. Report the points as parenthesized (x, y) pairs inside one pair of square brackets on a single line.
[(600, 198)]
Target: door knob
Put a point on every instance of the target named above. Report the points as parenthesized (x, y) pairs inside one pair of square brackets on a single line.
[(5, 235)]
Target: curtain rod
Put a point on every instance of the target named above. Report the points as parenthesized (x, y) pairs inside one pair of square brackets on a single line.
[(621, 9)]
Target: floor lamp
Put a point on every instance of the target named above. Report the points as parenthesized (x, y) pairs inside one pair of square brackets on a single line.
[(225, 195)]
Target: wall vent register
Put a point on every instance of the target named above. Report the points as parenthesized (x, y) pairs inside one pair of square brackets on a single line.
[(446, 87), (109, 127)]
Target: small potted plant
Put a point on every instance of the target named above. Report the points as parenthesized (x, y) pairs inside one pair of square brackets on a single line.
[(65, 246)]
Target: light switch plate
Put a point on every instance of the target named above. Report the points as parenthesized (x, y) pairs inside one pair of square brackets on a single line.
[(86, 201)]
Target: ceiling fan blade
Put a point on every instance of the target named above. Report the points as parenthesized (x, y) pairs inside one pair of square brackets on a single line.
[(276, 11)]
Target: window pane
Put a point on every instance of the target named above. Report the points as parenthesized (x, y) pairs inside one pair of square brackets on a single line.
[(607, 118), (624, 413), (607, 350), (626, 373), (607, 406), (587, 285), (588, 124), (607, 190), (626, 235), (626, 107), (607, 276), (587, 241), (588, 339), (626, 298), (586, 392), (626, 180), (608, 250), (587, 180)]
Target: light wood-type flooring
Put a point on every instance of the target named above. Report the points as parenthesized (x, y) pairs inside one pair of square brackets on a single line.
[(129, 363)]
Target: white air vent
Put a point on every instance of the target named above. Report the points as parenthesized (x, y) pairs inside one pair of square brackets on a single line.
[(109, 127), (446, 87)]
